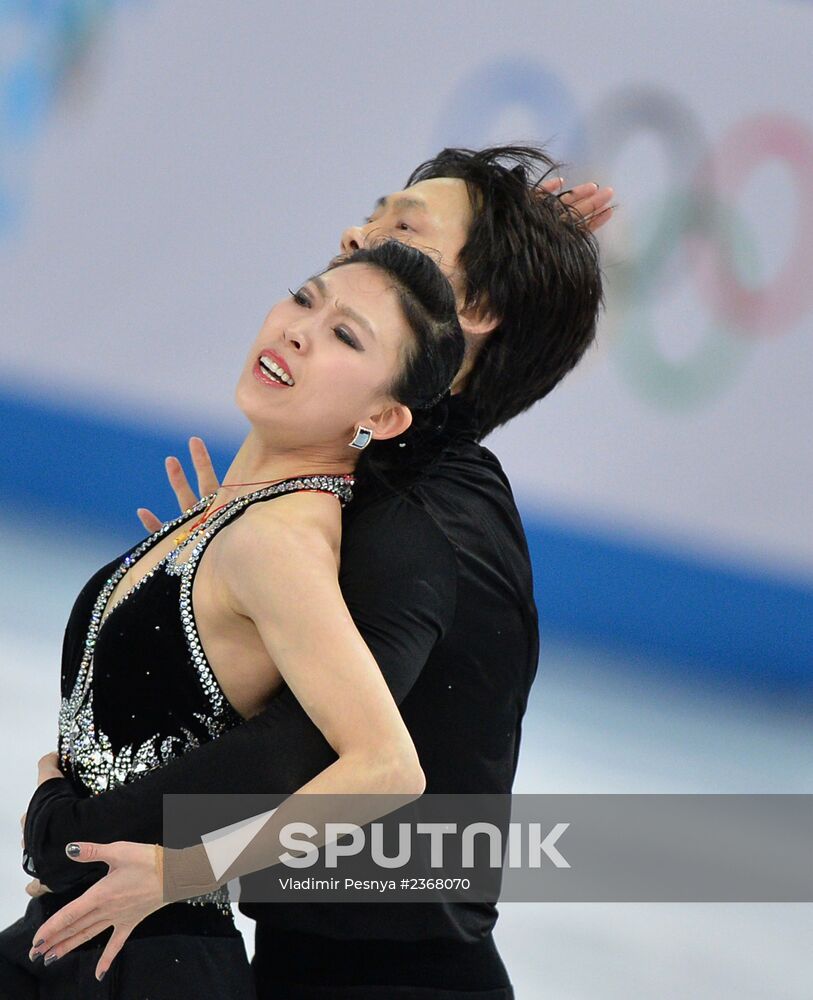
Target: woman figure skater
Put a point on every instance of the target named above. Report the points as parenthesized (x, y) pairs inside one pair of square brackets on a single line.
[(199, 625)]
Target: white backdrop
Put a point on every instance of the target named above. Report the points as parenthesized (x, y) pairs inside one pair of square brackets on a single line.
[(168, 168)]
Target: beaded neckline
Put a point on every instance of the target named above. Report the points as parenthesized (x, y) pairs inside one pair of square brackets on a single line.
[(340, 486), (86, 751)]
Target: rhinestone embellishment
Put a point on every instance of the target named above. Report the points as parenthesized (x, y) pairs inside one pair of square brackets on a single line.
[(186, 569), (84, 749), (87, 755)]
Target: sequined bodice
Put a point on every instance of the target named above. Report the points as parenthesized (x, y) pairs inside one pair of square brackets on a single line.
[(137, 689)]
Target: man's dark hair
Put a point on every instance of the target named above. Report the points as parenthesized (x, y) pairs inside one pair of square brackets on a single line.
[(532, 263)]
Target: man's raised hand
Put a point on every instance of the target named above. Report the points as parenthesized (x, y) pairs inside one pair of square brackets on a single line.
[(184, 494)]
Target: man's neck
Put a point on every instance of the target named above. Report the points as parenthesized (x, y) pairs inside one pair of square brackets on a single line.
[(473, 348)]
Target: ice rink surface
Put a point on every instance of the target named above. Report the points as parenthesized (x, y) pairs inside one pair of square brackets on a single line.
[(596, 723)]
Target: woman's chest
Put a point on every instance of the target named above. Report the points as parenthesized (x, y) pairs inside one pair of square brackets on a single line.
[(136, 571), (174, 629), (233, 648)]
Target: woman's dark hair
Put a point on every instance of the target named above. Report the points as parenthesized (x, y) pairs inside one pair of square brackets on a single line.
[(430, 364), (533, 264)]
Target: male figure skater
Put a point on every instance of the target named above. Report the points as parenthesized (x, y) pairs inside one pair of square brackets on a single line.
[(437, 578)]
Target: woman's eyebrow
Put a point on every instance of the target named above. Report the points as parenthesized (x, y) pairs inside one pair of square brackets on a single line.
[(351, 313)]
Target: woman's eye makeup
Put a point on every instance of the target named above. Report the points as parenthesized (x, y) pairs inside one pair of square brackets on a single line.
[(342, 333), (345, 337)]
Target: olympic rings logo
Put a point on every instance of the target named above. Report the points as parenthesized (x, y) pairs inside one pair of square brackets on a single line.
[(694, 231)]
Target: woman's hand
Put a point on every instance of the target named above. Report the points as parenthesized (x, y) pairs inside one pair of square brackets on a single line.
[(131, 890), (587, 201), (184, 494)]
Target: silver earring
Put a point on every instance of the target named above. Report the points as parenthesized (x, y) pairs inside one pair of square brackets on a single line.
[(361, 438)]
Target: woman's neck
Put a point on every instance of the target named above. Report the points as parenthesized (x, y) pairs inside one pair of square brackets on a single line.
[(257, 463)]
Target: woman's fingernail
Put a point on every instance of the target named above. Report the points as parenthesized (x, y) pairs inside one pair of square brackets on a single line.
[(73, 850), (50, 959), (38, 943), (33, 956), (102, 975)]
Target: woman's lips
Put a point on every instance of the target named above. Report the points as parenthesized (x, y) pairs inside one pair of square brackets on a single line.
[(262, 376), (272, 369), (273, 359)]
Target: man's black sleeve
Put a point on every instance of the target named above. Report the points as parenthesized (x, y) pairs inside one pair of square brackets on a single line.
[(398, 578)]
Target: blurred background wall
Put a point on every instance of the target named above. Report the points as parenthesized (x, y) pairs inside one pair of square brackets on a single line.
[(167, 169)]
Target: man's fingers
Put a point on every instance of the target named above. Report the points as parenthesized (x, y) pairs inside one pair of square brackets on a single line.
[(49, 760), (180, 484), (184, 494), (204, 469), (113, 947), (36, 889), (149, 520)]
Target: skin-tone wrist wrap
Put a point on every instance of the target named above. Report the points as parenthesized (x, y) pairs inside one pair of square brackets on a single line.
[(187, 873)]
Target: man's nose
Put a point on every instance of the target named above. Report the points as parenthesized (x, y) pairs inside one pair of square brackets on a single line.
[(352, 239)]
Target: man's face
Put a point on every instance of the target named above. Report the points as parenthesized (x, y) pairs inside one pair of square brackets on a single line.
[(432, 215)]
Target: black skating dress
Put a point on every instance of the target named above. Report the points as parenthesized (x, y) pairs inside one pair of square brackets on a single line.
[(137, 691)]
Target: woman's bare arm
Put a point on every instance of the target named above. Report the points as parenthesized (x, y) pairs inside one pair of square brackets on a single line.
[(306, 627), (303, 621), (398, 577)]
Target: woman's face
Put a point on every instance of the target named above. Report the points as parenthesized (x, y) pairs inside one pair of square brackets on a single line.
[(324, 359)]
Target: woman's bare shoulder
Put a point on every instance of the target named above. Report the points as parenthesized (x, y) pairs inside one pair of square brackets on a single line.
[(294, 538), (303, 522)]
